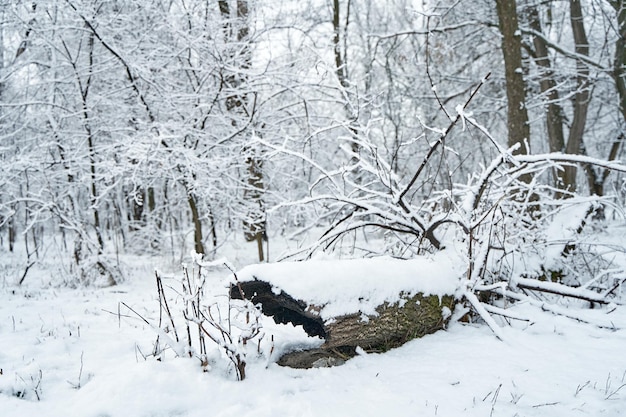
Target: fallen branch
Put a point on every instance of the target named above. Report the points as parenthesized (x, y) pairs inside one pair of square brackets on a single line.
[(504, 313), (560, 289), (484, 314), (561, 311)]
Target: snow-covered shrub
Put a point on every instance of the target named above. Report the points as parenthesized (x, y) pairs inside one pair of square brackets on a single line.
[(24, 385), (97, 270), (527, 241), (209, 327), (523, 237)]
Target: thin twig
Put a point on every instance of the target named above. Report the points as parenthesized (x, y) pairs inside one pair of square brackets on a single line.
[(438, 143)]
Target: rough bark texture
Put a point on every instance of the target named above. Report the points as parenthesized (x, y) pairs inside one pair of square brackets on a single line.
[(517, 119), (197, 223), (236, 31), (548, 85), (549, 89), (582, 97), (394, 325), (619, 72)]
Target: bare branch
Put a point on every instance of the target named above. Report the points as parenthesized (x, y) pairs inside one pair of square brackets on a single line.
[(565, 52), (559, 289)]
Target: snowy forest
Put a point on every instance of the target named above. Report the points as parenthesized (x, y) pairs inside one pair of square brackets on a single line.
[(478, 142), (132, 127)]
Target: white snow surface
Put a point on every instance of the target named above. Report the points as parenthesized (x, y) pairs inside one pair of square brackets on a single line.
[(562, 230), (78, 352), (342, 287)]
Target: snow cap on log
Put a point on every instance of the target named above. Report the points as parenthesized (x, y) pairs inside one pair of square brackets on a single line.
[(343, 287)]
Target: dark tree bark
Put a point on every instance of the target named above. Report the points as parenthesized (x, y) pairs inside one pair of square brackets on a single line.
[(517, 115), (548, 86), (197, 223), (619, 66), (582, 97), (236, 29), (341, 68), (554, 117)]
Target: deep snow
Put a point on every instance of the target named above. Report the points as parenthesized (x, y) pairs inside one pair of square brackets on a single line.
[(79, 352)]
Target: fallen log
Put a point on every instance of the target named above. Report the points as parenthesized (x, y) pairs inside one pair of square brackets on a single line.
[(406, 315)]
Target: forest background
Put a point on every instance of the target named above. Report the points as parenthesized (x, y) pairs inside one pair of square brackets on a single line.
[(378, 127)]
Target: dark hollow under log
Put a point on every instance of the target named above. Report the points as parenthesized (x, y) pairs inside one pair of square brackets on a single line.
[(282, 307)]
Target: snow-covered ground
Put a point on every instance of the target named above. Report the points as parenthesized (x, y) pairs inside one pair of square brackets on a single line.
[(81, 352)]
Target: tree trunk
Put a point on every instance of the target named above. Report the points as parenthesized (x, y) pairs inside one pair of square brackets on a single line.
[(12, 232), (597, 180), (84, 91), (582, 97), (4, 221), (619, 75), (341, 70), (197, 224), (548, 86), (151, 199), (238, 29), (619, 66), (517, 115), (554, 117)]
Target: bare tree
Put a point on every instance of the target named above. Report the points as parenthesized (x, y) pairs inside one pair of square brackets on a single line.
[(236, 32)]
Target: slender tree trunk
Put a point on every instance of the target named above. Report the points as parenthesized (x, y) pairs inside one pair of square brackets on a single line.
[(197, 223), (212, 227), (597, 180), (548, 86), (12, 232), (4, 222), (340, 64), (151, 200), (554, 116), (255, 224), (619, 63), (341, 69), (517, 115), (582, 97), (619, 72), (94, 192), (84, 90), (238, 30)]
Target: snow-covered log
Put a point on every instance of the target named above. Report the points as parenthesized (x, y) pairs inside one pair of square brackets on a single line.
[(371, 304)]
